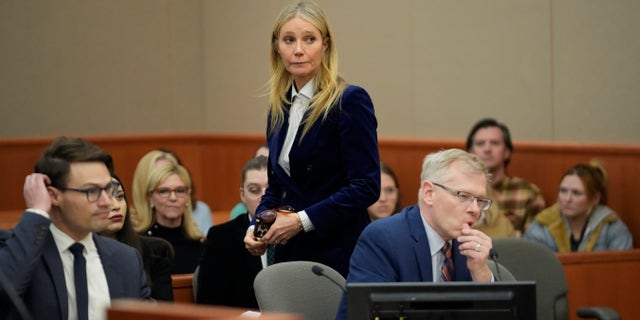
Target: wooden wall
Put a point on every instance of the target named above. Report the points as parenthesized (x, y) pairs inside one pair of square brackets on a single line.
[(216, 161)]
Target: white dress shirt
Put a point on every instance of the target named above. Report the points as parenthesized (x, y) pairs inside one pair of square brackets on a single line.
[(296, 114), (98, 289)]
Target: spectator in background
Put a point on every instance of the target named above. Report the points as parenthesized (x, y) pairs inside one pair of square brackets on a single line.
[(241, 208), (389, 202), (165, 212), (157, 254), (227, 269), (514, 197), (495, 224), (322, 138), (200, 210), (581, 220)]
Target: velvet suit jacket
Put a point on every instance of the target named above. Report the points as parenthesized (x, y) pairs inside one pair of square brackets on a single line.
[(30, 258), (396, 249), (227, 269), (335, 176)]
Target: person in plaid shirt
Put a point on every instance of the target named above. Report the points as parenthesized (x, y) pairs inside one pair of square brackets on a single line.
[(516, 198)]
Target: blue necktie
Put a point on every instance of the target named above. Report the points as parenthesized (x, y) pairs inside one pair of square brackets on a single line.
[(80, 279), (447, 264)]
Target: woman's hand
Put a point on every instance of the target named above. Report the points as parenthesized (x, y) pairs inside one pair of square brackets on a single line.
[(254, 245), (286, 226)]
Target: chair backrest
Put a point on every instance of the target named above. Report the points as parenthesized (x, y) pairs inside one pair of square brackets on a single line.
[(292, 287), (194, 283), (500, 273), (528, 260)]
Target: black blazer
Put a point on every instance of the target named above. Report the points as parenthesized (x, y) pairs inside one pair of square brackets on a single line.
[(159, 260), (227, 269)]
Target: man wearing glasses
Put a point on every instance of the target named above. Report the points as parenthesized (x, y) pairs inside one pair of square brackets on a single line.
[(54, 259), (433, 240)]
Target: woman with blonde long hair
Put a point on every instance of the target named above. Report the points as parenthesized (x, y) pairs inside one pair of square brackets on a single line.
[(323, 147)]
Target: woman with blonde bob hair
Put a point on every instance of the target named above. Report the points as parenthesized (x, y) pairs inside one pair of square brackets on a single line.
[(323, 147), (201, 212), (166, 213)]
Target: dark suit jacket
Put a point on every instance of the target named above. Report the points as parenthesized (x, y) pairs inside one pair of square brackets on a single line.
[(335, 176), (30, 258), (396, 249), (159, 261), (227, 269)]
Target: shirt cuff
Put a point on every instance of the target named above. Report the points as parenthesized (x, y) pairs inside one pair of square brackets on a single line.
[(40, 212), (307, 225)]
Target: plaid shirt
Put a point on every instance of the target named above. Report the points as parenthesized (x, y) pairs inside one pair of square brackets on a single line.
[(518, 199)]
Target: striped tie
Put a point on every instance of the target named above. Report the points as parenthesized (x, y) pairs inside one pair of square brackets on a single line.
[(447, 264)]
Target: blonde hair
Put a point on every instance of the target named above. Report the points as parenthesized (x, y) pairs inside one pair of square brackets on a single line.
[(435, 165), (147, 214), (329, 85), (141, 180)]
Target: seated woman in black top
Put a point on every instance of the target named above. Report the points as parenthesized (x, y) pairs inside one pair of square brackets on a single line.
[(157, 254)]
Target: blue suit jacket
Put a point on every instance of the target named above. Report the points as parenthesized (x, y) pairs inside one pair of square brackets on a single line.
[(396, 249), (335, 176), (30, 258)]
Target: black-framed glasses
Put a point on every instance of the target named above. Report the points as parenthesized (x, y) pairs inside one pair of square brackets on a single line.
[(166, 192), (93, 193), (466, 197)]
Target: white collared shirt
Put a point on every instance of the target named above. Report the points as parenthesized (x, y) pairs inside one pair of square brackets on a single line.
[(435, 244), (296, 113), (98, 289)]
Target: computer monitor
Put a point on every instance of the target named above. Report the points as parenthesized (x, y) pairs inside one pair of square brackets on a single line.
[(442, 300)]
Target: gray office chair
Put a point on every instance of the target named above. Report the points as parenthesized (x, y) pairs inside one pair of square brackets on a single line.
[(528, 260), (296, 287), (500, 273)]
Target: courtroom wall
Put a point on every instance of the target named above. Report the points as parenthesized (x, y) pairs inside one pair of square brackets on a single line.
[(552, 70)]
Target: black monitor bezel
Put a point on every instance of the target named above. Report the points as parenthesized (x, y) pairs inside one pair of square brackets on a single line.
[(442, 300)]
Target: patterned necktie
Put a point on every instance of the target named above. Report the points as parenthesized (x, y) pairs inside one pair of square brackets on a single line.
[(80, 279), (271, 254), (447, 264)]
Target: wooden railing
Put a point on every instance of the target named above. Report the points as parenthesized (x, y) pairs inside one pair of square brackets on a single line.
[(141, 310), (608, 278), (216, 161)]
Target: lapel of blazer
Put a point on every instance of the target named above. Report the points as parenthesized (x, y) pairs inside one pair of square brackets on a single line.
[(277, 141), (53, 262), (421, 246)]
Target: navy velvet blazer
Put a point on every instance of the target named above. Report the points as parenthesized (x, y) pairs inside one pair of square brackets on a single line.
[(30, 258), (335, 176), (396, 249)]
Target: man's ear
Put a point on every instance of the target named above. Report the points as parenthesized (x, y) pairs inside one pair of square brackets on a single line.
[(426, 192), (54, 195)]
